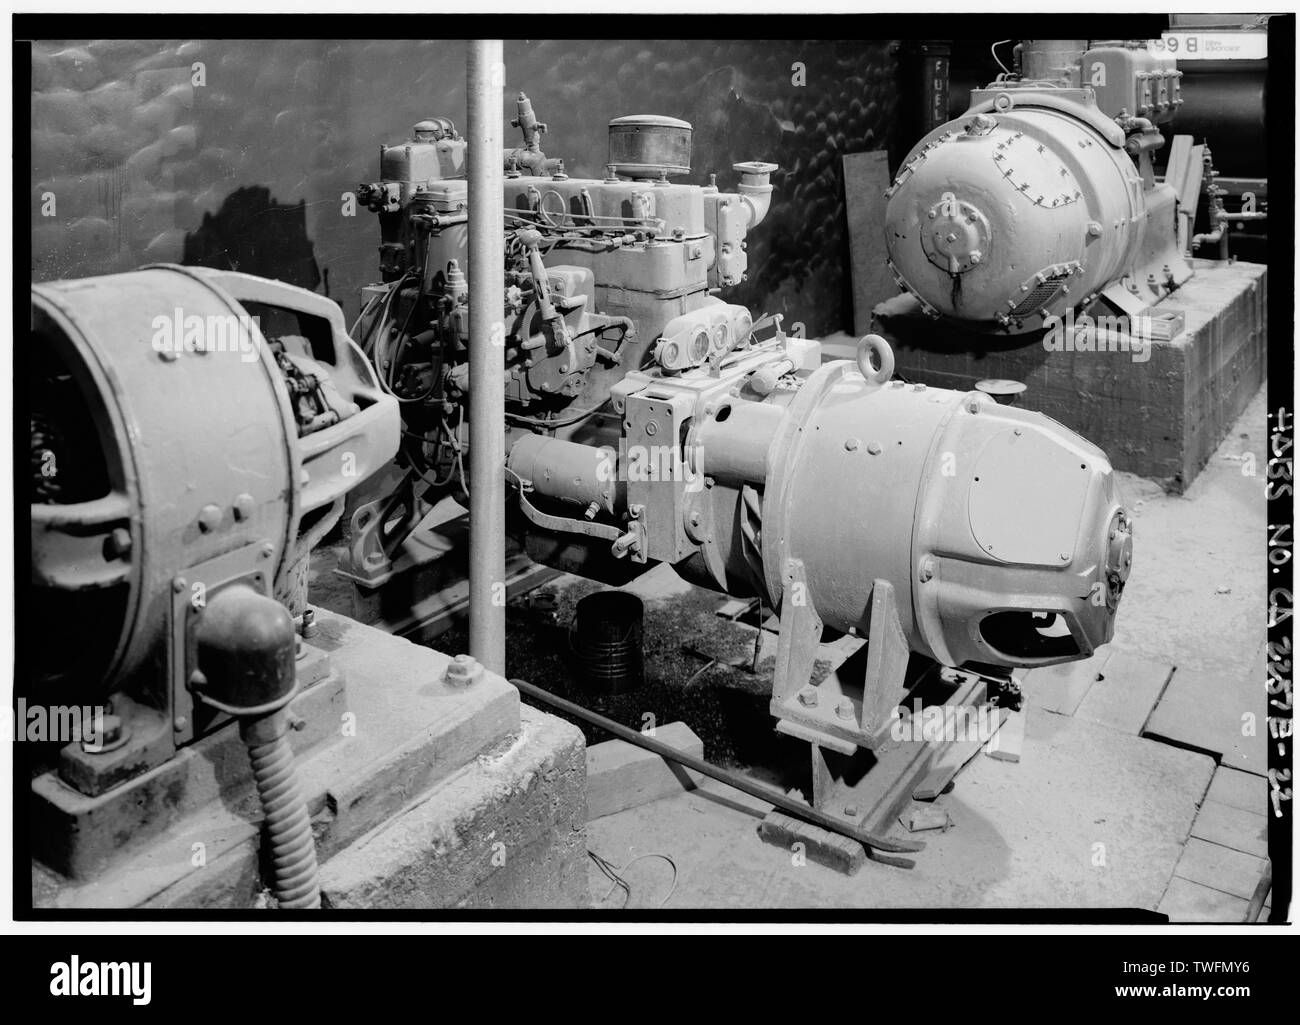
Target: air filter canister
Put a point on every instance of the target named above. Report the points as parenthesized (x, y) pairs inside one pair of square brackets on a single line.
[(650, 146)]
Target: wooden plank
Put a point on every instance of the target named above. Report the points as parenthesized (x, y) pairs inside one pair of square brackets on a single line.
[(1239, 789), (951, 759), (1205, 711), (920, 817), (1007, 743), (1062, 688), (866, 177), (1221, 868), (1186, 901), (819, 845), (621, 775), (1125, 692), (1231, 827)]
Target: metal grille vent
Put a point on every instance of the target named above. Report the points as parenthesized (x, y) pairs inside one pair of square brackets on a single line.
[(1039, 296)]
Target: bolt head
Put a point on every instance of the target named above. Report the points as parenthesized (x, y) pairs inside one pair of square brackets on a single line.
[(851, 444), (808, 697), (243, 506), (462, 671), (209, 518), (844, 709), (118, 544), (874, 448)]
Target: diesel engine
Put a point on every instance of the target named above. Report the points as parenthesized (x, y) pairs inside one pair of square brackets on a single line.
[(649, 420)]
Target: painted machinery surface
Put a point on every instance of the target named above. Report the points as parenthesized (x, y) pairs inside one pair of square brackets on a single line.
[(651, 421), (194, 433), (1042, 197)]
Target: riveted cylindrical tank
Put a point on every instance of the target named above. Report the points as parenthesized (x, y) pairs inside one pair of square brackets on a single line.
[(1009, 215)]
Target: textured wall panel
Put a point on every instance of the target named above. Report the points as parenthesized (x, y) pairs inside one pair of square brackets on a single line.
[(247, 169)]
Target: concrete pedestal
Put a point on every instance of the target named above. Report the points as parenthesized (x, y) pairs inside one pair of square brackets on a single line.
[(1158, 413), (422, 795)]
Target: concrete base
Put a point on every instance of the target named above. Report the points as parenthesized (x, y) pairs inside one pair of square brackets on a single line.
[(509, 831), (407, 744), (1161, 417)]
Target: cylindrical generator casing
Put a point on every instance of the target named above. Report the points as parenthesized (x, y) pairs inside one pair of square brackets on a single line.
[(1024, 208), (200, 449), (1000, 531)]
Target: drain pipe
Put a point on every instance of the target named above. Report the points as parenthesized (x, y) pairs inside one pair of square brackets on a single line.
[(879, 847), (487, 438)]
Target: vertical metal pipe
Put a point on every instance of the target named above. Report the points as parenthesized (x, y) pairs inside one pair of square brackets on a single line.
[(487, 440)]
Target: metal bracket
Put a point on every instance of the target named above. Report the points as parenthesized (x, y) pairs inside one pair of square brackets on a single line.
[(853, 706)]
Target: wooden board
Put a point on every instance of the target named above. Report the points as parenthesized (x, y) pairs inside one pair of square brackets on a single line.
[(1236, 828), (1062, 688), (1009, 741), (621, 775), (866, 176), (1186, 901), (1211, 712), (1126, 692), (1239, 789), (1221, 868)]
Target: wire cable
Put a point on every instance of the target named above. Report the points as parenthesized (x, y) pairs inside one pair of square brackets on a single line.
[(614, 874)]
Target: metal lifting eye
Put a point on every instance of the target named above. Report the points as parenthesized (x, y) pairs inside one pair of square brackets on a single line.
[(884, 355)]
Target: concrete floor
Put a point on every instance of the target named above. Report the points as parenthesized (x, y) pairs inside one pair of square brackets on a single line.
[(1090, 817)]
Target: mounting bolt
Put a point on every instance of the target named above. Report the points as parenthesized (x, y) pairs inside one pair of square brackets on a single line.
[(874, 448), (267, 550), (209, 518), (178, 584), (462, 671), (118, 544), (927, 569), (309, 625), (243, 506), (844, 709), (808, 697), (113, 734), (851, 810), (851, 444)]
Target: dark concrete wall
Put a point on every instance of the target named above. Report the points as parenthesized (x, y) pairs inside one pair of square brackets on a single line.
[(248, 169)]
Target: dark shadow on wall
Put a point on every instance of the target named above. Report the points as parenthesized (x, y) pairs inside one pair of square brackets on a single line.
[(254, 234)]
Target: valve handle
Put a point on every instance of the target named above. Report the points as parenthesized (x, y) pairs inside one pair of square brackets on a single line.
[(868, 344)]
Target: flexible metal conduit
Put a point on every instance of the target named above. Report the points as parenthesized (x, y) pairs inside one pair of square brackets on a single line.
[(487, 397), (877, 846)]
